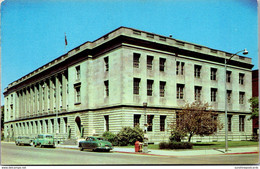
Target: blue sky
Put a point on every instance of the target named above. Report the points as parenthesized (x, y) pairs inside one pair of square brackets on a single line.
[(32, 32)]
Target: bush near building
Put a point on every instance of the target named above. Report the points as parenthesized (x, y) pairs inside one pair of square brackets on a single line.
[(175, 145), (126, 136)]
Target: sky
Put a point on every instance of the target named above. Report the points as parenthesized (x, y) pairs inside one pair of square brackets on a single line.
[(33, 31)]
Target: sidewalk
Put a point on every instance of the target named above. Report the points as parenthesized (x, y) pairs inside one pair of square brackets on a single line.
[(237, 150)]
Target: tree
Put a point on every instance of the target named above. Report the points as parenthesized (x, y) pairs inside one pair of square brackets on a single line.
[(197, 119), (254, 107)]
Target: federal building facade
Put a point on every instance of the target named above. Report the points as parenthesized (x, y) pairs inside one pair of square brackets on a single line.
[(129, 77)]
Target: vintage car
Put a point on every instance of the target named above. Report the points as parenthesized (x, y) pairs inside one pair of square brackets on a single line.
[(44, 140), (95, 143), (22, 140)]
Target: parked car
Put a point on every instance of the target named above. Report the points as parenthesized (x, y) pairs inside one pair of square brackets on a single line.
[(22, 140), (44, 140), (95, 143)]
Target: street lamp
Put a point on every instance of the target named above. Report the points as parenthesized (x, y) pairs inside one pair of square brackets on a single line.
[(245, 52)]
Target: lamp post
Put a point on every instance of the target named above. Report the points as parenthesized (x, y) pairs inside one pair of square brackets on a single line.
[(245, 52)]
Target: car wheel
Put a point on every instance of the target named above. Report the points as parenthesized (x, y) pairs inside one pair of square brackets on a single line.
[(81, 148), (107, 150)]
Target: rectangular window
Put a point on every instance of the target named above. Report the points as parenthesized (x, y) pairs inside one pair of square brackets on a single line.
[(180, 91), (197, 71), (136, 60), (78, 73), (137, 120), (228, 76), (106, 117), (241, 97), (179, 68), (77, 94), (149, 62), (162, 88), (241, 78), (162, 64), (229, 122), (150, 122), (106, 83), (241, 123), (106, 63), (214, 94), (213, 74), (197, 93), (229, 92), (162, 123), (136, 85), (149, 87)]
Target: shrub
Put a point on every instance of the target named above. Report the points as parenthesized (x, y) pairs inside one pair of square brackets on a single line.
[(175, 145), (163, 145), (128, 135), (176, 136), (111, 137)]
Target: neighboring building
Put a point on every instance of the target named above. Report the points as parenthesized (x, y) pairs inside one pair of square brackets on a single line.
[(255, 94), (103, 85)]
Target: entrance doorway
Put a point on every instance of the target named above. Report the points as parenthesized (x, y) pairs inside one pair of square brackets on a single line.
[(78, 126)]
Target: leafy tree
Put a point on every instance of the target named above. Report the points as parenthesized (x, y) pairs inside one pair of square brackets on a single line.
[(254, 107), (197, 119)]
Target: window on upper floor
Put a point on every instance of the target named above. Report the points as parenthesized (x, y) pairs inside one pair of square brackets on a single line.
[(214, 94), (180, 91), (228, 76), (229, 96), (180, 68), (106, 83), (162, 64), (197, 71), (77, 94), (106, 63), (136, 86), (198, 93), (136, 59), (241, 78), (213, 74), (162, 88), (149, 87), (241, 123), (78, 73), (241, 97), (149, 62)]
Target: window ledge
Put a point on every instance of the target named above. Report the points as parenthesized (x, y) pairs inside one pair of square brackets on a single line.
[(77, 103)]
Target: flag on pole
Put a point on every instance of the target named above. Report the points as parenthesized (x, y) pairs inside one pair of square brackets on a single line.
[(66, 42)]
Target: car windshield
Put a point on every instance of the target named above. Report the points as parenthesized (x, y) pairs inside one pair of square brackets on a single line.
[(48, 136), (102, 139), (26, 137)]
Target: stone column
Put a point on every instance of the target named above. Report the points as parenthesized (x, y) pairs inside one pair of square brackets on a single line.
[(36, 103), (45, 96), (40, 99), (51, 101), (57, 93), (64, 92)]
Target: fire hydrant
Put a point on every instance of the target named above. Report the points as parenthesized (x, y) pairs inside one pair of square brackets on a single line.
[(137, 146)]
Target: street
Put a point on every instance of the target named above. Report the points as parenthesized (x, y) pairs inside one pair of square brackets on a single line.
[(29, 155)]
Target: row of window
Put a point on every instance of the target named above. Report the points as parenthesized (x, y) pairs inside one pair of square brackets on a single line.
[(180, 91)]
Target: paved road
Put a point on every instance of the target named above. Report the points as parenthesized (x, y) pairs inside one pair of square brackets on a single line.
[(28, 155)]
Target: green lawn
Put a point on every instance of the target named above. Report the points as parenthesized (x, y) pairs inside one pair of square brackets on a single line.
[(210, 145)]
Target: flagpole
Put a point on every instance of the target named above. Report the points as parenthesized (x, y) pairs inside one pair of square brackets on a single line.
[(66, 42)]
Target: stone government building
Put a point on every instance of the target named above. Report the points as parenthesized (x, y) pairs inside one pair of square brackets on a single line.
[(102, 86)]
